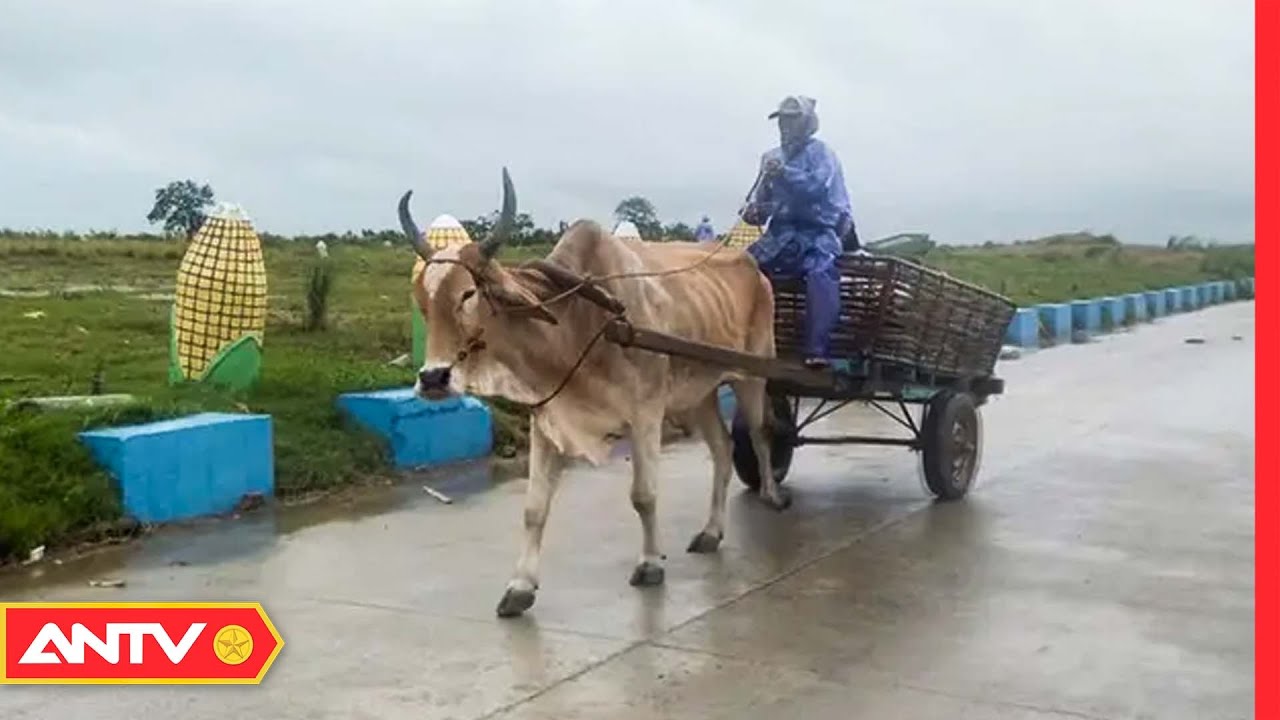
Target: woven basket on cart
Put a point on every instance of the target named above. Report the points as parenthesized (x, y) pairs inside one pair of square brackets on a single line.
[(895, 311)]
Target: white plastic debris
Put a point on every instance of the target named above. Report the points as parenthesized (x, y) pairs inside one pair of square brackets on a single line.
[(106, 583), (322, 248), (438, 495)]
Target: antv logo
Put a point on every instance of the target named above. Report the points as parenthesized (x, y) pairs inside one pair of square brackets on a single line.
[(108, 648), (132, 643)]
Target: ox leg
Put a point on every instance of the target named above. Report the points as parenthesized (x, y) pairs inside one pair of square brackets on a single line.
[(646, 439), (712, 428), (753, 404), (545, 467)]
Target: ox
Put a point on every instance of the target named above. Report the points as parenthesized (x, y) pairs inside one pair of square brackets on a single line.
[(503, 332)]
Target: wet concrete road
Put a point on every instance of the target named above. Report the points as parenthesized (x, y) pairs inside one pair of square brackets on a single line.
[(1103, 568)]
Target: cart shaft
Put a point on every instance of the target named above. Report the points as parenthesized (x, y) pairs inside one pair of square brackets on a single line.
[(626, 335)]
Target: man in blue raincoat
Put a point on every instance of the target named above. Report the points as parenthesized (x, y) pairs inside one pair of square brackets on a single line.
[(704, 233), (802, 197)]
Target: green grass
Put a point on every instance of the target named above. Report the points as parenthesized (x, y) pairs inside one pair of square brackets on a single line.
[(51, 492), (126, 335), (1037, 273)]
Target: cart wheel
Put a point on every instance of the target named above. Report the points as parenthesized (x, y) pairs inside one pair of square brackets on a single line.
[(952, 444), (781, 441)]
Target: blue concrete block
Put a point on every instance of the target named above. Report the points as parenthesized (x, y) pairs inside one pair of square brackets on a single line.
[(1155, 303), (1056, 320), (1219, 292), (1229, 290), (1172, 300), (1135, 307), (1111, 311), (424, 432), (1190, 299), (1024, 328), (1204, 294), (1086, 315), (728, 402), (186, 467)]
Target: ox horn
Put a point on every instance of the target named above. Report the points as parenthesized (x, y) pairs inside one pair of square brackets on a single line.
[(506, 221), (411, 228)]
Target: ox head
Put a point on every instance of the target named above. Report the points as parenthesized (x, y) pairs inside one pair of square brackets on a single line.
[(471, 304)]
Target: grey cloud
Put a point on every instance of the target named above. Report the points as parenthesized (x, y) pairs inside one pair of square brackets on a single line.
[(983, 120)]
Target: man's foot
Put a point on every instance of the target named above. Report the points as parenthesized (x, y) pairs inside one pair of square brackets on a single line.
[(817, 363)]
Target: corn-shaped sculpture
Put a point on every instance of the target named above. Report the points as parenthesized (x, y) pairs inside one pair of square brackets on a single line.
[(220, 303), (626, 230), (443, 232), (742, 234)]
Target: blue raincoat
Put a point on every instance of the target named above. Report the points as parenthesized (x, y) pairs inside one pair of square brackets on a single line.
[(704, 233), (807, 210)]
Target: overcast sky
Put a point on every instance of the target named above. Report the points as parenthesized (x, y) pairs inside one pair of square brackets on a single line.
[(971, 120)]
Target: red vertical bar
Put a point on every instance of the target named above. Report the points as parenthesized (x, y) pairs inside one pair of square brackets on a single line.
[(1266, 16)]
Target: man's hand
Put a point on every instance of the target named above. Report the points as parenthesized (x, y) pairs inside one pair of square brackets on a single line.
[(751, 215), (772, 166)]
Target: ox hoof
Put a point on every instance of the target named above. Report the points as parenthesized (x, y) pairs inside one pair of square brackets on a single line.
[(780, 500), (647, 574), (514, 602), (704, 542)]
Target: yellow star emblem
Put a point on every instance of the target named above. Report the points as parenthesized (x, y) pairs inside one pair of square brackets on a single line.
[(233, 644)]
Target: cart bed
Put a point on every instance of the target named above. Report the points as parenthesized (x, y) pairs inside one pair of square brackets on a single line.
[(901, 318)]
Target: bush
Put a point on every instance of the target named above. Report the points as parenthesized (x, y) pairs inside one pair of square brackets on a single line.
[(319, 286), (1228, 262), (53, 489)]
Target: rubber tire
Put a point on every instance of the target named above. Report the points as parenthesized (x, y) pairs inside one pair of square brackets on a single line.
[(943, 412), (781, 441)]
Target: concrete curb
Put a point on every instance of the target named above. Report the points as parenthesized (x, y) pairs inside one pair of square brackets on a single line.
[(187, 467), (1078, 320)]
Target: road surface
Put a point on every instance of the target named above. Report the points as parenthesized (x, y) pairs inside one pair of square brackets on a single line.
[(1101, 569)]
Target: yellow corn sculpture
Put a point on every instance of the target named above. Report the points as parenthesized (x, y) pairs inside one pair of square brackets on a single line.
[(443, 232), (220, 304), (626, 230), (742, 234)]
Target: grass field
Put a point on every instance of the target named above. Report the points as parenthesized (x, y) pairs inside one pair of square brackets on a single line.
[(72, 309)]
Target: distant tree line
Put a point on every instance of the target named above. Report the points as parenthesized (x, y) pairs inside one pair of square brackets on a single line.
[(179, 209), (180, 206)]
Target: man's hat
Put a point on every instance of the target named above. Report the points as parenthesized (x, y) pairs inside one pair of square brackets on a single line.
[(794, 105)]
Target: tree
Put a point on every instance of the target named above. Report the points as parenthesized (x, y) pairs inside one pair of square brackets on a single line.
[(678, 231), (642, 214), (522, 230), (180, 206), (479, 228)]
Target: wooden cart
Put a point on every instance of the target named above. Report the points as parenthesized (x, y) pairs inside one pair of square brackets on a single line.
[(908, 337)]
